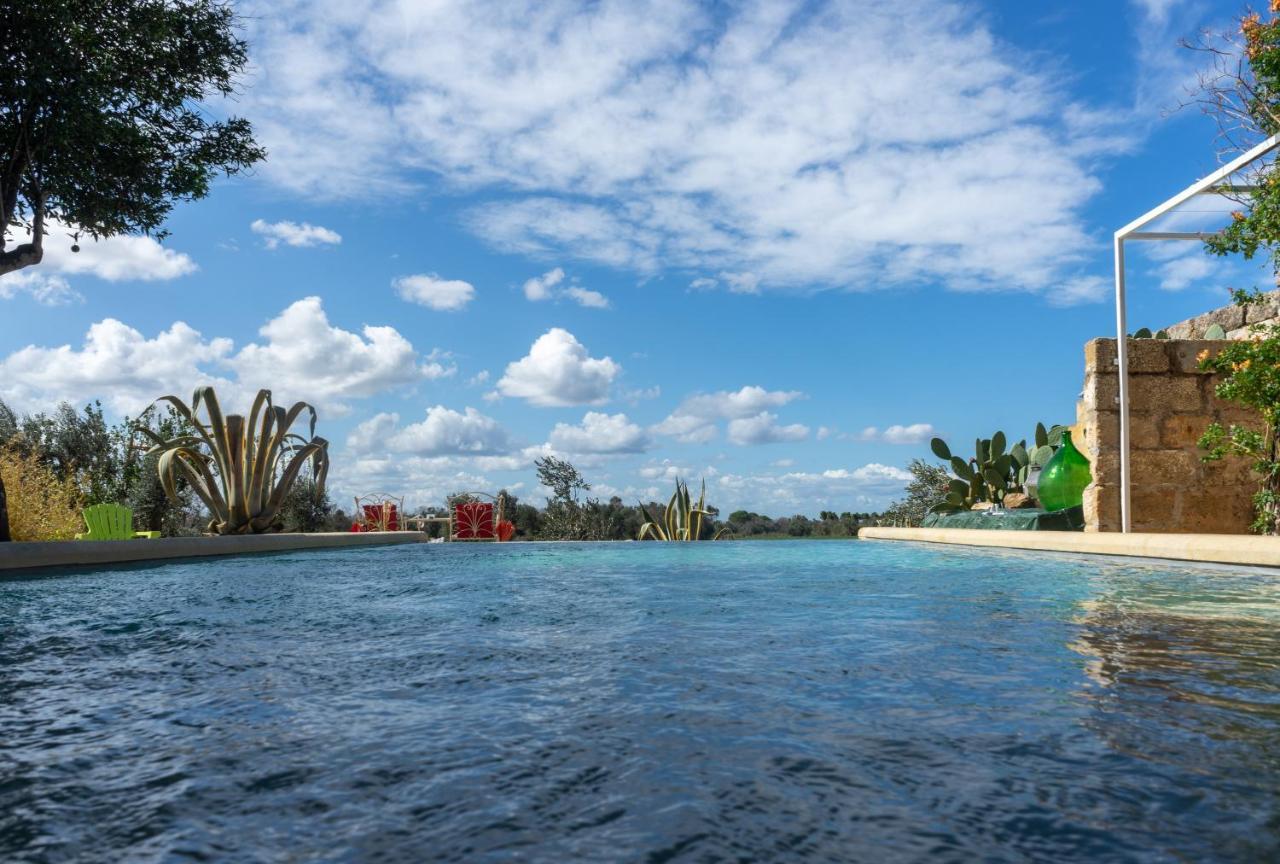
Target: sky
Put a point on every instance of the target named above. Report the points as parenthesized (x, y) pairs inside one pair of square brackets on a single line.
[(776, 245)]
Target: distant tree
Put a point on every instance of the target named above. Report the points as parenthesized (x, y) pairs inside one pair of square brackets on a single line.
[(106, 464), (528, 520), (927, 486), (559, 475), (101, 127), (5, 535), (306, 509), (78, 446), (152, 509), (8, 429), (800, 526), (565, 518), (1241, 91)]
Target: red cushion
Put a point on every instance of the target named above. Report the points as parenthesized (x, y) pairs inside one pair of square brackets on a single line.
[(474, 521), (373, 516)]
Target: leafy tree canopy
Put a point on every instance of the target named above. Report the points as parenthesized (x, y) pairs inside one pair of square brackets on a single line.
[(101, 122)]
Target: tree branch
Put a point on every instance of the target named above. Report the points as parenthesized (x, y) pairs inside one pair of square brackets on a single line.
[(27, 254)]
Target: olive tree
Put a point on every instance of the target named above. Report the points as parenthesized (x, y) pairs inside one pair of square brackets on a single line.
[(102, 121)]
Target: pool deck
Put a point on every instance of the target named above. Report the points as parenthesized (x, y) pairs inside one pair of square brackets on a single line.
[(94, 553), (1239, 549)]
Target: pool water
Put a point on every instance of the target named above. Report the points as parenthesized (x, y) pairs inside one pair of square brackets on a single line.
[(807, 701)]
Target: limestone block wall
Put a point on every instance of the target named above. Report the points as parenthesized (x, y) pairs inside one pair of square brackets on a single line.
[(1235, 320), (1171, 403)]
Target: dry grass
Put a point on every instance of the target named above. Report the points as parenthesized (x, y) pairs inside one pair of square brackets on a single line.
[(41, 507)]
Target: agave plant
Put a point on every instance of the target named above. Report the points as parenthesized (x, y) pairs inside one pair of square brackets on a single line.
[(682, 521), (241, 469)]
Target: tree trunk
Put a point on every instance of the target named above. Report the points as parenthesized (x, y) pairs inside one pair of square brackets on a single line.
[(4, 515), (24, 254)]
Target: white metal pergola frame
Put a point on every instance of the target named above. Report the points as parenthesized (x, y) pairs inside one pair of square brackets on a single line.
[(1133, 231)]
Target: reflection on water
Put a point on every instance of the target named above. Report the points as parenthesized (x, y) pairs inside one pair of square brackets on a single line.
[(747, 702)]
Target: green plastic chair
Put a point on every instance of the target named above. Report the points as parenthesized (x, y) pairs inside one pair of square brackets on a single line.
[(111, 522)]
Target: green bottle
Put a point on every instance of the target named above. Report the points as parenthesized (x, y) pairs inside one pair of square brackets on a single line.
[(1063, 479)]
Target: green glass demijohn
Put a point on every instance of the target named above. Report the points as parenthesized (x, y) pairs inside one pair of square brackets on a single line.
[(1063, 479)]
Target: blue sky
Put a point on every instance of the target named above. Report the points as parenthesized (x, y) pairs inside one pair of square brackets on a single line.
[(775, 245)]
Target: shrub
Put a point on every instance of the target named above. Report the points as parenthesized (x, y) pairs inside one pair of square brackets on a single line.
[(1251, 377), (41, 506)]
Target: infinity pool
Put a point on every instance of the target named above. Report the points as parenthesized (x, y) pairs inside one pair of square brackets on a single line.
[(836, 701)]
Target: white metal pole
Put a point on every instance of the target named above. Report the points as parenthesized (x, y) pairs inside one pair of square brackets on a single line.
[(1122, 373)]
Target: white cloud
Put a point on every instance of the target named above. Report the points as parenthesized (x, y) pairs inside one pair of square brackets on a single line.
[(742, 283), (1080, 289), (546, 287), (443, 432), (424, 481), (898, 434), (1185, 270), (600, 433), (763, 428), (115, 259), (558, 372), (740, 403), (115, 363), (870, 486), (303, 356), (293, 234), (585, 297), (752, 144), (539, 287), (47, 289), (687, 428), (444, 295), (694, 420)]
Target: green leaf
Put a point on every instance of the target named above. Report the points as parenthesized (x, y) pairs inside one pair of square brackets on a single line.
[(940, 449), (1019, 454)]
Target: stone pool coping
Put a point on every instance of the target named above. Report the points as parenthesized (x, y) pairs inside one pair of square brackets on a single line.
[(81, 553), (1239, 549)]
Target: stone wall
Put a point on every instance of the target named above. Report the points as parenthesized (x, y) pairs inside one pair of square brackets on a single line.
[(1235, 320), (1171, 403)]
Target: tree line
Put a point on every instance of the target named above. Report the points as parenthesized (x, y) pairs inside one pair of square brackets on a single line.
[(57, 463)]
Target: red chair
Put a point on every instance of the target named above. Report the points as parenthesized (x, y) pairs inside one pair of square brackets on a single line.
[(378, 513), (384, 517), (474, 521)]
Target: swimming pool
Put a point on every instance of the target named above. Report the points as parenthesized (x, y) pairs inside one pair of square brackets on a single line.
[(642, 702)]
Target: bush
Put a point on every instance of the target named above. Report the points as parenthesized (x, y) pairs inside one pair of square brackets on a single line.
[(307, 509), (41, 506)]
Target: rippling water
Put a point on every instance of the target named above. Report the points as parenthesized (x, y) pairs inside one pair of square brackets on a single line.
[(836, 701)]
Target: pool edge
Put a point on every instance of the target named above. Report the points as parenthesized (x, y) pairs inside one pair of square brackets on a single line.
[(81, 553), (1246, 550)]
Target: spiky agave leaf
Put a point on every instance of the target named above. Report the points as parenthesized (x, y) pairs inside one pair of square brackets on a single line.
[(682, 521), (240, 467)]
